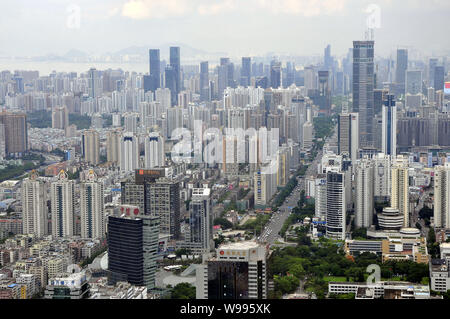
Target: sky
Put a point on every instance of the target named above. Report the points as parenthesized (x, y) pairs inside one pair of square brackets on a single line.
[(238, 27)]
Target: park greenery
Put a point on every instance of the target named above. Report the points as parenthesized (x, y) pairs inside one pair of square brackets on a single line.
[(43, 119), (317, 263), (256, 224), (30, 162), (183, 290)]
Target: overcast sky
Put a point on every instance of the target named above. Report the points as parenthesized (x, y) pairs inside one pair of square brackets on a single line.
[(239, 27)]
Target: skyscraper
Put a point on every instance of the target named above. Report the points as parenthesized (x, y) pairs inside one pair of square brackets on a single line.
[(90, 142), (155, 72), (164, 201), (364, 174), (113, 144), (92, 207), (400, 187), (60, 117), (176, 67), (62, 195), (171, 84), (129, 152), (389, 126), (246, 71), (348, 135), (275, 74), (439, 78), (238, 271), (133, 248), (95, 83), (400, 71), (336, 205), (34, 206), (201, 236), (431, 68), (442, 196), (363, 85), (154, 150), (413, 82), (204, 82), (324, 98)]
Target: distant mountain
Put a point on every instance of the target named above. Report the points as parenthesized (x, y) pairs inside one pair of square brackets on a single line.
[(74, 53), (186, 50)]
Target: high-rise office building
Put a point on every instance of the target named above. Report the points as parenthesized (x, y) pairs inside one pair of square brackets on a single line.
[(413, 82), (129, 152), (164, 202), (364, 176), (205, 94), (400, 187), (324, 98), (400, 71), (34, 206), (171, 84), (442, 196), (95, 83), (62, 195), (90, 142), (176, 67), (431, 68), (16, 133), (382, 177), (238, 271), (336, 205), (275, 74), (246, 71), (60, 117), (363, 85), (348, 135), (439, 78), (155, 71), (92, 207), (154, 150), (133, 248), (389, 126), (200, 223)]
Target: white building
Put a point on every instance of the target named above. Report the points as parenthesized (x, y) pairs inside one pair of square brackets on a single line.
[(154, 151), (34, 206), (400, 187), (129, 152), (364, 193), (62, 194), (442, 196), (92, 207)]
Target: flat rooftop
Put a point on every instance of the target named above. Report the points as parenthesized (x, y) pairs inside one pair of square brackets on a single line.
[(240, 245)]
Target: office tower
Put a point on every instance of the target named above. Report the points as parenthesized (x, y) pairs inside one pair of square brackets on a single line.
[(389, 126), (201, 235), (155, 73), (400, 71), (60, 118), (348, 135), (174, 120), (413, 82), (324, 98), (34, 206), (400, 187), (238, 271), (378, 100), (382, 177), (265, 187), (320, 199), (439, 78), (154, 150), (176, 67), (129, 152), (90, 142), (246, 71), (92, 207), (307, 135), (364, 177), (442, 196), (431, 68), (336, 205), (62, 196), (363, 85), (133, 248), (327, 59), (16, 133), (204, 82), (275, 74), (171, 84), (164, 202), (95, 83)]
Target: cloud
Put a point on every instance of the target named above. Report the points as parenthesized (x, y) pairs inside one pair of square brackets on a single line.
[(148, 9), (306, 8), (216, 8)]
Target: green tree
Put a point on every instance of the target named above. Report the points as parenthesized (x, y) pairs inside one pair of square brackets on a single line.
[(183, 290)]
